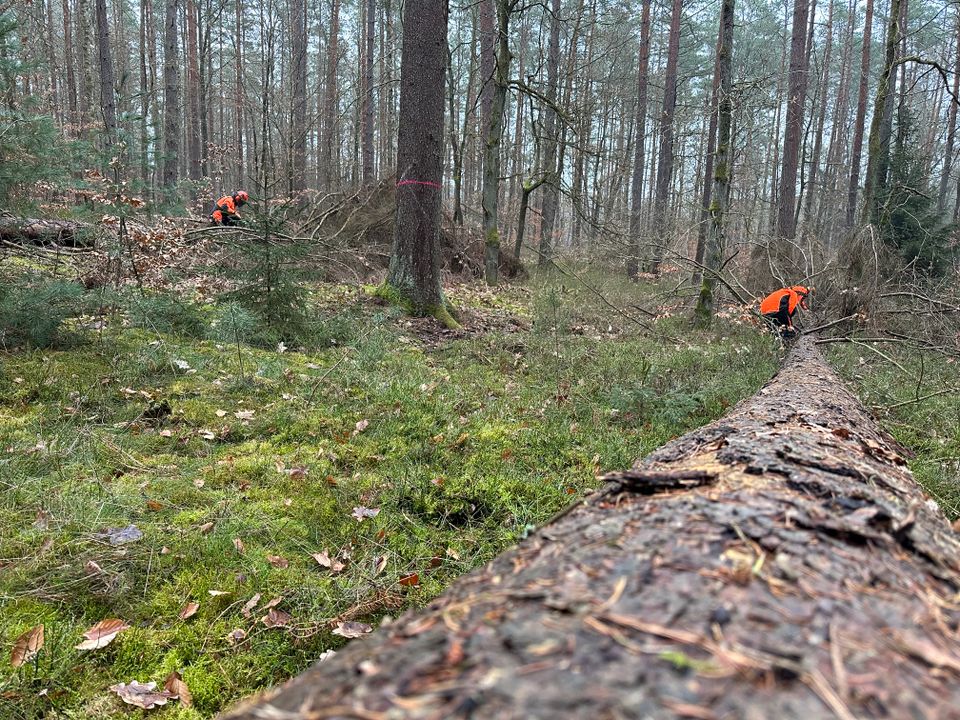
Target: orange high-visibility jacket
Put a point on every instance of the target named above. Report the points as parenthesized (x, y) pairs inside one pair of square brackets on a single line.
[(771, 303), (227, 206)]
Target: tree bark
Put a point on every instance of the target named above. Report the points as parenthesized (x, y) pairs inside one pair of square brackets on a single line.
[(194, 147), (796, 99), (665, 159), (821, 117), (298, 95), (860, 122), (704, 226), (414, 275), (69, 63), (108, 100), (494, 135), (367, 98), (330, 143), (951, 128), (171, 100), (551, 195), (32, 231), (878, 145), (780, 563), (640, 132), (719, 199)]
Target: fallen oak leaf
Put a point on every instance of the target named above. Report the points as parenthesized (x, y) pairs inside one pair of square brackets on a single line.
[(102, 634), (277, 561), (361, 513), (175, 684), (189, 610), (250, 605), (352, 630), (411, 580), (26, 647), (324, 560), (276, 618), (142, 695)]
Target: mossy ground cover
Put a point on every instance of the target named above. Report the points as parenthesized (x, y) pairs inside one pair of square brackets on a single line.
[(461, 445), (914, 393)]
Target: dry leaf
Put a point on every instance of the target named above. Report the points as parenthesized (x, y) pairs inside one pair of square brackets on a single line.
[(175, 684), (221, 413), (411, 580), (102, 634), (379, 563), (238, 544), (297, 473), (121, 536), (250, 605), (244, 414), (362, 425), (92, 568), (27, 646), (154, 505), (277, 561), (236, 635), (206, 528), (42, 520), (199, 483), (273, 603), (276, 618), (217, 593), (189, 610), (145, 696), (332, 564), (361, 513), (352, 629)]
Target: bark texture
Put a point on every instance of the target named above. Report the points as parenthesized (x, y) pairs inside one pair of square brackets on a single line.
[(780, 563), (31, 231), (414, 275)]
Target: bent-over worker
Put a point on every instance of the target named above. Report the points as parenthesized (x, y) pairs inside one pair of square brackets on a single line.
[(225, 211), (779, 307)]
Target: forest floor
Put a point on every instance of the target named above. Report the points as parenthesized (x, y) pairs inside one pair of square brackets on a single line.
[(245, 510)]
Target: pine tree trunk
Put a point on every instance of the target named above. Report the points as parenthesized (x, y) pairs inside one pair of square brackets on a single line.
[(171, 100), (551, 195), (704, 225), (779, 563), (298, 96), (720, 197), (860, 122), (414, 275), (488, 60), (240, 93), (367, 100), (108, 101), (640, 132), (878, 146), (69, 62), (951, 128), (662, 227), (786, 228), (494, 135), (821, 116), (194, 148), (331, 142)]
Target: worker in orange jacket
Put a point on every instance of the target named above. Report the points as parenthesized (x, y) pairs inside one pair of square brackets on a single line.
[(225, 211), (779, 307)]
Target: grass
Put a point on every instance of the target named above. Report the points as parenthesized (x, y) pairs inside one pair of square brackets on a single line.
[(914, 394), (462, 445)]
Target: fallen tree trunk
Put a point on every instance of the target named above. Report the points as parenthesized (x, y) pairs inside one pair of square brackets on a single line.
[(31, 231), (780, 563)]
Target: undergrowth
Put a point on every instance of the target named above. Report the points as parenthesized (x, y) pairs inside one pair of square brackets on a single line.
[(238, 463)]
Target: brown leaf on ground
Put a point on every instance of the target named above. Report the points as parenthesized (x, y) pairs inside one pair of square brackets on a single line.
[(278, 561), (175, 684), (143, 695), (324, 560), (102, 634), (352, 630), (189, 610), (276, 618), (26, 647), (236, 635), (250, 605), (411, 580), (238, 544)]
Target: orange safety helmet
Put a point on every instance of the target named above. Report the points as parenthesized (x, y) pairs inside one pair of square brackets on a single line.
[(241, 195), (800, 290)]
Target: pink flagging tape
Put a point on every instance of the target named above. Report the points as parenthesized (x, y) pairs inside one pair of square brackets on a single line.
[(419, 182)]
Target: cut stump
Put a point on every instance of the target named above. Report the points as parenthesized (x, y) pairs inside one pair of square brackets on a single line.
[(780, 563)]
